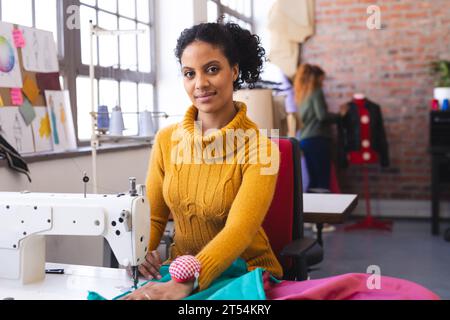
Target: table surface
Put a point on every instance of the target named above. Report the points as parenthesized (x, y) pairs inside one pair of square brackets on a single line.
[(328, 208), (75, 284)]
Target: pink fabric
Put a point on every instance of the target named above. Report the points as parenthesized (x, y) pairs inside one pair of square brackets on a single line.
[(352, 286)]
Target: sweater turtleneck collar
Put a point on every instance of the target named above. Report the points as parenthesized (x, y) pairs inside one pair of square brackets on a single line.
[(193, 130)]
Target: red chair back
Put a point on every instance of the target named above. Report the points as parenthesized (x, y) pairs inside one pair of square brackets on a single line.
[(280, 220)]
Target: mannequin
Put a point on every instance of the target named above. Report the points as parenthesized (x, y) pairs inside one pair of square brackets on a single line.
[(366, 155), (365, 126)]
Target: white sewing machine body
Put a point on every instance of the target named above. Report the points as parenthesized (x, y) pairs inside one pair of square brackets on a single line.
[(26, 218)]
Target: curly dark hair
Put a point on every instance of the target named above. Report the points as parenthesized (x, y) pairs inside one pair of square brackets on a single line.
[(239, 46)]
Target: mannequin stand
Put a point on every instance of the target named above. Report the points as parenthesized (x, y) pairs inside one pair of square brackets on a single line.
[(369, 222)]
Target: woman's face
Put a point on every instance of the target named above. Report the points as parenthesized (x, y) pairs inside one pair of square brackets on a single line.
[(208, 77)]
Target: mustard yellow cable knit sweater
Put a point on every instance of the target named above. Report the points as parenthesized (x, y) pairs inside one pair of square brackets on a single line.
[(218, 199)]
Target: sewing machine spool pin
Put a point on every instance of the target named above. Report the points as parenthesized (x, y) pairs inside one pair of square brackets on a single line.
[(85, 180), (133, 190)]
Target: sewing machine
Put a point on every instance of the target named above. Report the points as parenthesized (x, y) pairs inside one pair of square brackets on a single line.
[(26, 218)]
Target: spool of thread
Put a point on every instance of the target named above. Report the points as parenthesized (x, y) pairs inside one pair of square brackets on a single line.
[(435, 105), (116, 125), (103, 119), (146, 128), (445, 105)]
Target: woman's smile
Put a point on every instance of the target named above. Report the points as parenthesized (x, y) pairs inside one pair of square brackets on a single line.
[(206, 97)]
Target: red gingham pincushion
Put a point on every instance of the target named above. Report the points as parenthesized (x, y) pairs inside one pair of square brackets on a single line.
[(184, 268)]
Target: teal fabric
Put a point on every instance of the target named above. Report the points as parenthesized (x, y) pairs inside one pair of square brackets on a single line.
[(236, 283)]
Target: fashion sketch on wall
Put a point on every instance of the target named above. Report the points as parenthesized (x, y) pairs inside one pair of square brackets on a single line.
[(61, 121), (39, 53), (15, 130)]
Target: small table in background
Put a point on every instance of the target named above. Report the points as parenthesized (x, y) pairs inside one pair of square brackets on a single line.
[(320, 208)]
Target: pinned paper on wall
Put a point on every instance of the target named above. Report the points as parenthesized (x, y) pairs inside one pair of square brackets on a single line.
[(15, 130), (16, 97), (10, 74), (27, 112), (39, 54), (19, 41), (61, 121), (30, 89), (2, 104), (42, 130)]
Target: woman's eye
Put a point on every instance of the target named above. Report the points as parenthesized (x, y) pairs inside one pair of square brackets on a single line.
[(189, 74), (213, 69)]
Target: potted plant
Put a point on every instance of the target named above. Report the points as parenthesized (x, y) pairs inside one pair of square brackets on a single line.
[(442, 70)]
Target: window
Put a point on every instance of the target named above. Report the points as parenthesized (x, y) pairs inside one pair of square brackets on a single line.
[(123, 64), (40, 14), (237, 11)]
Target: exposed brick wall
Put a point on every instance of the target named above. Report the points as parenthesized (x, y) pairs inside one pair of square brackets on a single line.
[(391, 66)]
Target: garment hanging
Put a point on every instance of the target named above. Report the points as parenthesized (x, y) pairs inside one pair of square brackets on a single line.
[(361, 135)]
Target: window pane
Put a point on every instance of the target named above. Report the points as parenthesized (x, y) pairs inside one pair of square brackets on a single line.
[(109, 93), (143, 10), (145, 97), (109, 5), (84, 106), (128, 103), (18, 12), (212, 11), (144, 53), (89, 2), (87, 14), (248, 8), (128, 45), (108, 43), (46, 16), (127, 8)]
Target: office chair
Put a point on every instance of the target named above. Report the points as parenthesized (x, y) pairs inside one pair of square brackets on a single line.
[(284, 221)]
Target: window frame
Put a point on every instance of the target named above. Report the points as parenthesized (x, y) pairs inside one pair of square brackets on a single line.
[(73, 67), (223, 9)]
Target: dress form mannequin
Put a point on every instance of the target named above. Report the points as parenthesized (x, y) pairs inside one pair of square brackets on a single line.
[(366, 155)]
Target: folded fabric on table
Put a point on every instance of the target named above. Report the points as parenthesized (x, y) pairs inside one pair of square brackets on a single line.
[(352, 286), (237, 283)]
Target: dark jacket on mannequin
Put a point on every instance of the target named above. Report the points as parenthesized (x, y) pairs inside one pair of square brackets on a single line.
[(349, 138)]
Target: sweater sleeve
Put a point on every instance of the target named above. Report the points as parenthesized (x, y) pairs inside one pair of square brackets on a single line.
[(321, 108), (245, 218), (159, 211)]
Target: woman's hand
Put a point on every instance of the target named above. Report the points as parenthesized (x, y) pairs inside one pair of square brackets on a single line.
[(162, 291), (149, 269)]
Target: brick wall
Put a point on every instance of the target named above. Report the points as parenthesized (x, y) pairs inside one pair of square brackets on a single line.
[(391, 66)]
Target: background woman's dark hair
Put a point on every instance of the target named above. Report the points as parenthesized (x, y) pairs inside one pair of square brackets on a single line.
[(239, 46)]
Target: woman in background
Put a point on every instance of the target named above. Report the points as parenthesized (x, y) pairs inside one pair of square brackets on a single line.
[(315, 124), (316, 121)]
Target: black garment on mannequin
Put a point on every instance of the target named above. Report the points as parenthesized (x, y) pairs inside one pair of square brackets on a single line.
[(349, 138)]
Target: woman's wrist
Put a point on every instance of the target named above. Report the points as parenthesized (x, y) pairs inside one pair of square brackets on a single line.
[(187, 287)]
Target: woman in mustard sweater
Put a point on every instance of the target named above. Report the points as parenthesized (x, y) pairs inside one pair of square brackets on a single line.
[(213, 171)]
